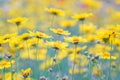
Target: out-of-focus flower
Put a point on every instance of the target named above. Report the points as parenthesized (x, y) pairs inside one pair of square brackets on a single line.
[(18, 20), (82, 16), (7, 37), (26, 73), (92, 4), (77, 71), (1, 77), (57, 45), (60, 31), (75, 39), (14, 42), (78, 49), (107, 55), (67, 23), (54, 11), (39, 35), (96, 71), (41, 54), (87, 28), (5, 64), (24, 37)]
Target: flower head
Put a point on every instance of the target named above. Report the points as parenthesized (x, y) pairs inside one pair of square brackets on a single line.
[(5, 64), (75, 39), (39, 35), (26, 73), (24, 36), (67, 23), (60, 31), (55, 11), (17, 20), (107, 56), (82, 16), (57, 45)]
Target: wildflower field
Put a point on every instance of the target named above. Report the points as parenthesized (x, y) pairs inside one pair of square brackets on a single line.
[(59, 39)]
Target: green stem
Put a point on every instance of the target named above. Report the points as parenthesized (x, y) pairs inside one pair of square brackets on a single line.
[(109, 77), (28, 52), (17, 62), (79, 70), (52, 21), (17, 29), (4, 73), (90, 70), (37, 58), (59, 68), (74, 62), (11, 70)]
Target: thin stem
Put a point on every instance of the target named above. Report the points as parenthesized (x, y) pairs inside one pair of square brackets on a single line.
[(74, 62), (28, 52), (109, 77), (4, 73), (90, 70), (59, 68), (11, 70), (79, 70), (16, 59), (37, 57), (52, 21), (17, 29)]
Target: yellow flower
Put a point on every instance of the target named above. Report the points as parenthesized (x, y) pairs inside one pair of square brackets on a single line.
[(17, 20), (82, 16), (1, 77), (4, 64), (41, 54), (96, 71), (16, 76), (14, 42), (75, 39), (76, 71), (55, 11), (57, 45), (92, 4), (107, 36), (40, 35), (68, 23), (78, 49), (26, 73), (87, 28), (7, 37), (24, 36), (60, 31), (107, 55)]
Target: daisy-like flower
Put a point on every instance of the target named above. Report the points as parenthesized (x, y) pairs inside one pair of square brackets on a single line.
[(57, 45), (24, 36), (60, 31), (107, 56), (26, 73), (17, 20), (96, 71), (75, 39), (67, 23), (14, 42), (39, 35), (78, 49), (7, 37), (54, 11), (82, 16), (5, 64)]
